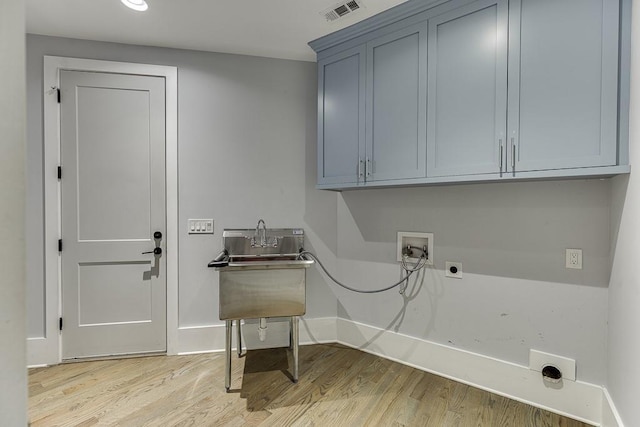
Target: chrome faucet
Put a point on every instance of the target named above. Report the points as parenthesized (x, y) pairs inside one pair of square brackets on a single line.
[(260, 240)]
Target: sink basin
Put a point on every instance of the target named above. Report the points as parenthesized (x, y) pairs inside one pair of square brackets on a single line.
[(263, 289), (264, 281)]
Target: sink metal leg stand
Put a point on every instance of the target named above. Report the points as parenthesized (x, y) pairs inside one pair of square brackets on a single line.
[(227, 371), (295, 332), (291, 333), (239, 329)]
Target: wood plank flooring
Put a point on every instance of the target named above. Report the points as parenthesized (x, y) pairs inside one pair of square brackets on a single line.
[(338, 386)]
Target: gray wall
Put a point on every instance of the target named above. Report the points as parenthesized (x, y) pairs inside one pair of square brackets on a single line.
[(624, 288), (246, 149), (515, 293), (13, 373)]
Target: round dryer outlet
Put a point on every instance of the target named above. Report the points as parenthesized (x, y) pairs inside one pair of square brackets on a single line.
[(453, 269)]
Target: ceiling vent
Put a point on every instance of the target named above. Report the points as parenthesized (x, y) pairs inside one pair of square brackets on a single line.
[(342, 9)]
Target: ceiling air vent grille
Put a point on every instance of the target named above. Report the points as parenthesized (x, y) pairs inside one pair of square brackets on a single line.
[(353, 5), (342, 9)]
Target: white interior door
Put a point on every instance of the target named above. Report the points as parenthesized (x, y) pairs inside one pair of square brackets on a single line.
[(112, 130)]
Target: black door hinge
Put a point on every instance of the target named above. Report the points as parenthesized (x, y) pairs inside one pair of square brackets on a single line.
[(59, 173), (60, 323), (58, 94), (59, 245)]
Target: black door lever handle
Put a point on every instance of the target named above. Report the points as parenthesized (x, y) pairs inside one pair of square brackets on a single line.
[(156, 251)]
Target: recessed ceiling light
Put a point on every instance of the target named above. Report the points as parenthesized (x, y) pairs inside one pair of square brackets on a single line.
[(139, 5)]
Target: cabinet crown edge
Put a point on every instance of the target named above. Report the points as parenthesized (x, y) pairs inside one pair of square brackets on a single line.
[(387, 17)]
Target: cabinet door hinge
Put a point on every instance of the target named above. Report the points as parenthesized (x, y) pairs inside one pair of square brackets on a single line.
[(60, 323), (59, 173), (58, 94), (59, 245)]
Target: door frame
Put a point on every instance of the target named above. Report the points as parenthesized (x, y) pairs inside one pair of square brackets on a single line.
[(48, 349)]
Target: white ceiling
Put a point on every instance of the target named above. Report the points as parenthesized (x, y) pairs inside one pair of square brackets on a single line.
[(271, 28)]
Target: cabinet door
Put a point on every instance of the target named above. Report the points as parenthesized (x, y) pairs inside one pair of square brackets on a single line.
[(467, 90), (396, 105), (341, 80), (562, 83)]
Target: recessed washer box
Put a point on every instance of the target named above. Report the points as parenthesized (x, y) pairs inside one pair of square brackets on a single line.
[(417, 240)]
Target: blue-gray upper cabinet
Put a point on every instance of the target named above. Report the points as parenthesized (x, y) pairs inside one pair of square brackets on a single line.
[(341, 116), (467, 91), (563, 71), (433, 92), (396, 105)]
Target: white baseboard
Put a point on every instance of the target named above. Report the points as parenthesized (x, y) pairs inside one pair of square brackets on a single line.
[(610, 415), (578, 400), (211, 338), (40, 352)]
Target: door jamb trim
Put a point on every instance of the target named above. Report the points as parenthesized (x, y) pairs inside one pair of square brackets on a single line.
[(47, 350)]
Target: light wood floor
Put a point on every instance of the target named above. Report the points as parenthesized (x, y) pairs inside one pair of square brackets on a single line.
[(338, 387)]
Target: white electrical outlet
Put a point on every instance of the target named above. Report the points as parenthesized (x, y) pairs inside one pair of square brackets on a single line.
[(539, 359), (414, 243), (453, 269), (200, 226), (574, 259)]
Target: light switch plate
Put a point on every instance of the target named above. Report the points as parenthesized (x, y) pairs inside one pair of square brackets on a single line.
[(200, 226)]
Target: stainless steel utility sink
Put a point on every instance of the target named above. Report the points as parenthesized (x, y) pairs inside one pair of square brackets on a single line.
[(261, 275)]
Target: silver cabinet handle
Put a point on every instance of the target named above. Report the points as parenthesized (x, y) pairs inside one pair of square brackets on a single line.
[(360, 173), (368, 167), (513, 153), (501, 148)]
